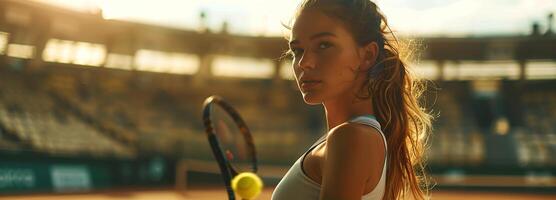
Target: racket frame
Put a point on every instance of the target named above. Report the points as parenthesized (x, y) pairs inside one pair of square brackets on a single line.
[(227, 170)]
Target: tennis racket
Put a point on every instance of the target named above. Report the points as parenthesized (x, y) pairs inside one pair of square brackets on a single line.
[(230, 140)]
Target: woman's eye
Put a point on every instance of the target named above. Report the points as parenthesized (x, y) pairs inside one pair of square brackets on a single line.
[(324, 45)]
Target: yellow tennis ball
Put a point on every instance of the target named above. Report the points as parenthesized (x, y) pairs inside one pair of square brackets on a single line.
[(247, 185)]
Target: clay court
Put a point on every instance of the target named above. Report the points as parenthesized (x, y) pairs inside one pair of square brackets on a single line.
[(210, 193)]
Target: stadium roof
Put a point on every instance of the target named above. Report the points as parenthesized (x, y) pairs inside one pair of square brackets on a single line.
[(460, 18)]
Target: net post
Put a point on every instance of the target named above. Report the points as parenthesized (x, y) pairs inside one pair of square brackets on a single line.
[(181, 177)]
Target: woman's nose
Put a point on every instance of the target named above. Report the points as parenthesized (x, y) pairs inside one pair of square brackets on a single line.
[(306, 62)]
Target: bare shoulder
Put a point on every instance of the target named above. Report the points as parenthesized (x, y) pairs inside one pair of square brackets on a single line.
[(355, 134), (353, 160)]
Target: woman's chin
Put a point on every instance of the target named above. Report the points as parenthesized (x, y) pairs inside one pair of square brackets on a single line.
[(311, 99)]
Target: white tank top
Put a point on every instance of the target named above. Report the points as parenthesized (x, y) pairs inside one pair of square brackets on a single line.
[(297, 185)]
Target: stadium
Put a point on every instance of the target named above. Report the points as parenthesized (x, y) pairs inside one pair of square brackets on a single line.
[(97, 108)]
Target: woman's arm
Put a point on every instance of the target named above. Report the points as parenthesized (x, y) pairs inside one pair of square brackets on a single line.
[(354, 154)]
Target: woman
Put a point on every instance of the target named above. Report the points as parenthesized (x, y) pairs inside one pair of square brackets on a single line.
[(346, 58)]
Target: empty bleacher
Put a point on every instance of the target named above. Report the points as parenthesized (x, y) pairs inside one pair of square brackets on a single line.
[(31, 114)]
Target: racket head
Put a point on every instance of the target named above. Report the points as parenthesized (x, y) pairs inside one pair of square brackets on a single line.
[(230, 139)]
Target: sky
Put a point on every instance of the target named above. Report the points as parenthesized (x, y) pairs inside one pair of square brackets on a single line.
[(264, 17)]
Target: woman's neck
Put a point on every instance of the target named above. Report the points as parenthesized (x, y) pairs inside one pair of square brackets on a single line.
[(343, 109)]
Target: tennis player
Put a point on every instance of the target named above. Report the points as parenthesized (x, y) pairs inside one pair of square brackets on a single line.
[(346, 58)]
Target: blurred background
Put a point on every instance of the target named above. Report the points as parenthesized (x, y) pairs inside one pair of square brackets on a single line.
[(102, 99)]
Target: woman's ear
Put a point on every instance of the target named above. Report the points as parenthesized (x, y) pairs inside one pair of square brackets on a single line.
[(368, 53)]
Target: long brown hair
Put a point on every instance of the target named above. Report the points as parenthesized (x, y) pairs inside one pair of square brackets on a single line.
[(395, 94)]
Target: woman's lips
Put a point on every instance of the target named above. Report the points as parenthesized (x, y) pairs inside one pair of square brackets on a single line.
[(308, 85)]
